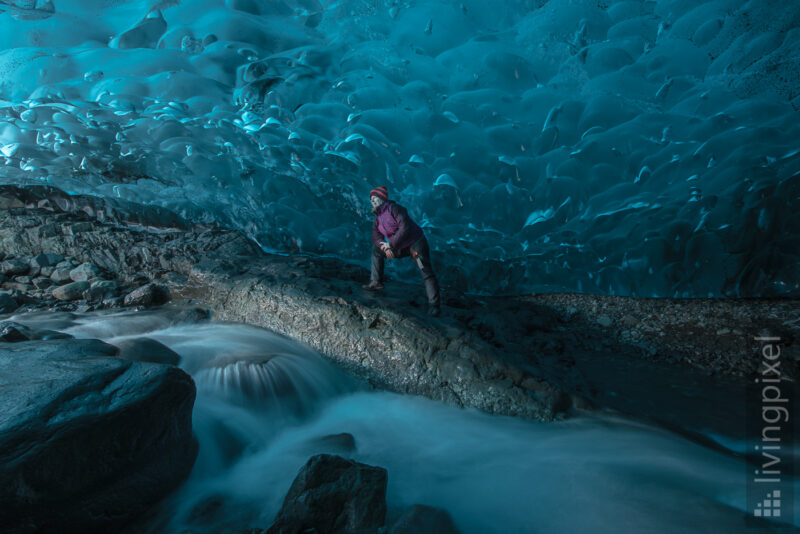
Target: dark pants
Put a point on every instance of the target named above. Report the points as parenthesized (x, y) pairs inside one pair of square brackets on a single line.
[(421, 255)]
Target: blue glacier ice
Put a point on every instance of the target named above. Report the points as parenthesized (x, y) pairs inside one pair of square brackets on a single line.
[(645, 148)]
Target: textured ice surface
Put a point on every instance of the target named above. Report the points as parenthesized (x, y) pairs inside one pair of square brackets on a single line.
[(630, 147)]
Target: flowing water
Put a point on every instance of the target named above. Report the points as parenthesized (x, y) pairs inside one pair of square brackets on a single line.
[(265, 404)]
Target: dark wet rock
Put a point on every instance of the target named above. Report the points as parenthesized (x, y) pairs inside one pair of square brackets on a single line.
[(61, 275), (42, 282), (12, 332), (14, 267), (88, 441), (84, 272), (2, 278), (148, 295), (73, 291), (46, 260), (189, 315), (101, 289), (7, 303), (144, 349), (334, 495), (112, 302), (422, 519)]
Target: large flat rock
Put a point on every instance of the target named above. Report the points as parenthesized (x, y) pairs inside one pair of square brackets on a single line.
[(88, 441)]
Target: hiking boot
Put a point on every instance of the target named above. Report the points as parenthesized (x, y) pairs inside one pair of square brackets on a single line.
[(434, 311), (373, 286)]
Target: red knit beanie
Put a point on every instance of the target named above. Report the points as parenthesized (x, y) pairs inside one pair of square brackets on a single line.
[(380, 192)]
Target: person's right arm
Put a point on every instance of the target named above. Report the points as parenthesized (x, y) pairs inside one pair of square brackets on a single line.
[(377, 237)]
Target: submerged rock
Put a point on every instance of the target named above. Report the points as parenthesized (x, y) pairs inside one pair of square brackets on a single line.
[(343, 443), (88, 441), (422, 519), (333, 494), (144, 349)]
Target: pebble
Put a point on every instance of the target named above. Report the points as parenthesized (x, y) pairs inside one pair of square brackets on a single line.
[(84, 272), (60, 275), (604, 321)]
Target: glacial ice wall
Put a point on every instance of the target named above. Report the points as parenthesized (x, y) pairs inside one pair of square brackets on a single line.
[(643, 147)]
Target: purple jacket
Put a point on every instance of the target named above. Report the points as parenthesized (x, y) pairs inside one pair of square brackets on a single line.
[(392, 221)]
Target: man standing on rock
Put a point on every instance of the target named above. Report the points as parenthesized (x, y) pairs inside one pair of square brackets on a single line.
[(405, 238)]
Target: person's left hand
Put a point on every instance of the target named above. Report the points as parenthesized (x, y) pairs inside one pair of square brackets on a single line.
[(389, 252)]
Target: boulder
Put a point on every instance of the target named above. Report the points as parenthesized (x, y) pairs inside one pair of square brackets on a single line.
[(422, 519), (84, 272), (144, 349), (7, 303), (88, 441), (334, 495), (14, 267), (147, 295), (73, 291)]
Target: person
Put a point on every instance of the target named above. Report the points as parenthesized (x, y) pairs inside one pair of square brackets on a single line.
[(395, 235)]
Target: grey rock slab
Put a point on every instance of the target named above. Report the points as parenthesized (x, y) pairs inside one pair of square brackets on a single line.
[(88, 441), (334, 495), (73, 291)]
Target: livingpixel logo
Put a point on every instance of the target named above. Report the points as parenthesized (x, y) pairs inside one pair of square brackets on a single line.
[(770, 482), (769, 507)]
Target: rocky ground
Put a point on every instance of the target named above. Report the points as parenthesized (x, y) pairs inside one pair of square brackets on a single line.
[(538, 356)]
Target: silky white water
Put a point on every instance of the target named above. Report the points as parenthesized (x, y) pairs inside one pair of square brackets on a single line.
[(264, 402)]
